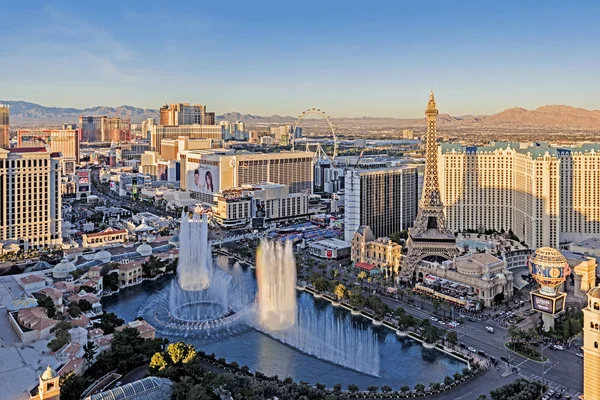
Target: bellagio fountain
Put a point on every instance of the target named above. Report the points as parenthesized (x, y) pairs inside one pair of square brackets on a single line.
[(204, 301)]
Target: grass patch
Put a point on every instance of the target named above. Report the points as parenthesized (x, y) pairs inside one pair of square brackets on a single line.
[(526, 351)]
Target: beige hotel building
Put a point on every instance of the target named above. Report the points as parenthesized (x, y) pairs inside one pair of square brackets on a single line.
[(545, 195), (229, 169), (30, 200)]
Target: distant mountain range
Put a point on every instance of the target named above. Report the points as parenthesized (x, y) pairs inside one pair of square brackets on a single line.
[(554, 115)]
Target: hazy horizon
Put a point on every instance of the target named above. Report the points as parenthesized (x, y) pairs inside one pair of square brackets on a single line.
[(274, 58)]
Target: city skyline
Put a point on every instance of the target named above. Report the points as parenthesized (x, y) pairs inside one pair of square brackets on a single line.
[(278, 60)]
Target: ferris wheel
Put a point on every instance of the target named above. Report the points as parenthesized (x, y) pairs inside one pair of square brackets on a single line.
[(317, 111)]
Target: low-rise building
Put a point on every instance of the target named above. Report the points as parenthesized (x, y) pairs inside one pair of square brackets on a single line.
[(32, 283), (589, 247), (53, 294), (89, 297), (130, 273), (32, 323), (144, 328), (107, 236), (468, 279), (369, 268), (584, 272), (330, 249), (381, 252), (265, 201)]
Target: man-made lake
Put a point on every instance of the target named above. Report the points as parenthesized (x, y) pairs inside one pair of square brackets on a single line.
[(397, 362)]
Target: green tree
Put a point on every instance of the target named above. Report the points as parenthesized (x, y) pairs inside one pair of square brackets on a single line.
[(419, 388), (386, 389), (457, 376), (89, 351), (84, 305), (404, 388), (111, 281), (337, 387), (48, 304), (72, 386), (373, 389), (321, 284), (108, 322), (448, 380), (352, 388), (452, 337), (74, 310)]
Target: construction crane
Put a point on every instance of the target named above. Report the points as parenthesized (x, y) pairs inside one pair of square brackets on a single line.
[(359, 157)]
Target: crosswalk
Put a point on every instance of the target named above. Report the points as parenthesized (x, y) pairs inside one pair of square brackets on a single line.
[(551, 384)]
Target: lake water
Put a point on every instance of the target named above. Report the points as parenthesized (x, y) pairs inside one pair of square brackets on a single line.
[(402, 361)]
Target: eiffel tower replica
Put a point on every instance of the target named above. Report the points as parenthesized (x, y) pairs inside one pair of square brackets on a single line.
[(429, 237)]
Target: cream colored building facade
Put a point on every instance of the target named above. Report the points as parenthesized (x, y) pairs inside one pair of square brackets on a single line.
[(591, 346), (30, 198), (233, 170), (485, 274), (381, 252), (544, 195)]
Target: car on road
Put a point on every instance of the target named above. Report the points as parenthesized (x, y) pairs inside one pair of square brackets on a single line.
[(579, 355), (489, 329), (546, 397), (557, 347), (433, 319), (472, 349)]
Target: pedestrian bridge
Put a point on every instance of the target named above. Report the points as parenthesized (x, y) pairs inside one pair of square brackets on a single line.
[(235, 238)]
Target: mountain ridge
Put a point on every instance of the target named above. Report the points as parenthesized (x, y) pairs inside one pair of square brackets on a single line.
[(23, 112)]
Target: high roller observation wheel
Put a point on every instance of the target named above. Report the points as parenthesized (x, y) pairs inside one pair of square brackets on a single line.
[(316, 111)]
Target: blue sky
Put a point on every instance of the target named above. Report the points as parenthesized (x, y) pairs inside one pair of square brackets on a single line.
[(377, 58)]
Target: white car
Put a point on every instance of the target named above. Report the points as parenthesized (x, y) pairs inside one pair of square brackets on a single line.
[(472, 349), (558, 347), (580, 355), (489, 329)]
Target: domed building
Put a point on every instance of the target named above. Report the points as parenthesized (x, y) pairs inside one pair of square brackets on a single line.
[(63, 269), (103, 256), (144, 250), (49, 385)]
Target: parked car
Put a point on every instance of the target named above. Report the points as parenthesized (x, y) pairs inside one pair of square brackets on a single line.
[(557, 347), (580, 355), (472, 349)]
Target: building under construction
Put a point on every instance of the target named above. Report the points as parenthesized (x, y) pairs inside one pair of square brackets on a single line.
[(104, 129)]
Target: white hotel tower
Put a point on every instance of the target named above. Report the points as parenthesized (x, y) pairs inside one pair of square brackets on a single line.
[(545, 195)]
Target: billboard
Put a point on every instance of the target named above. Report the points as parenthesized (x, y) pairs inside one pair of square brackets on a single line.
[(161, 174), (202, 176), (68, 167), (547, 304)]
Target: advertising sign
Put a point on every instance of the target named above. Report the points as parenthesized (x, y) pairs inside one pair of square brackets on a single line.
[(162, 172), (542, 303), (202, 176), (69, 168), (329, 253), (547, 304), (559, 304)]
